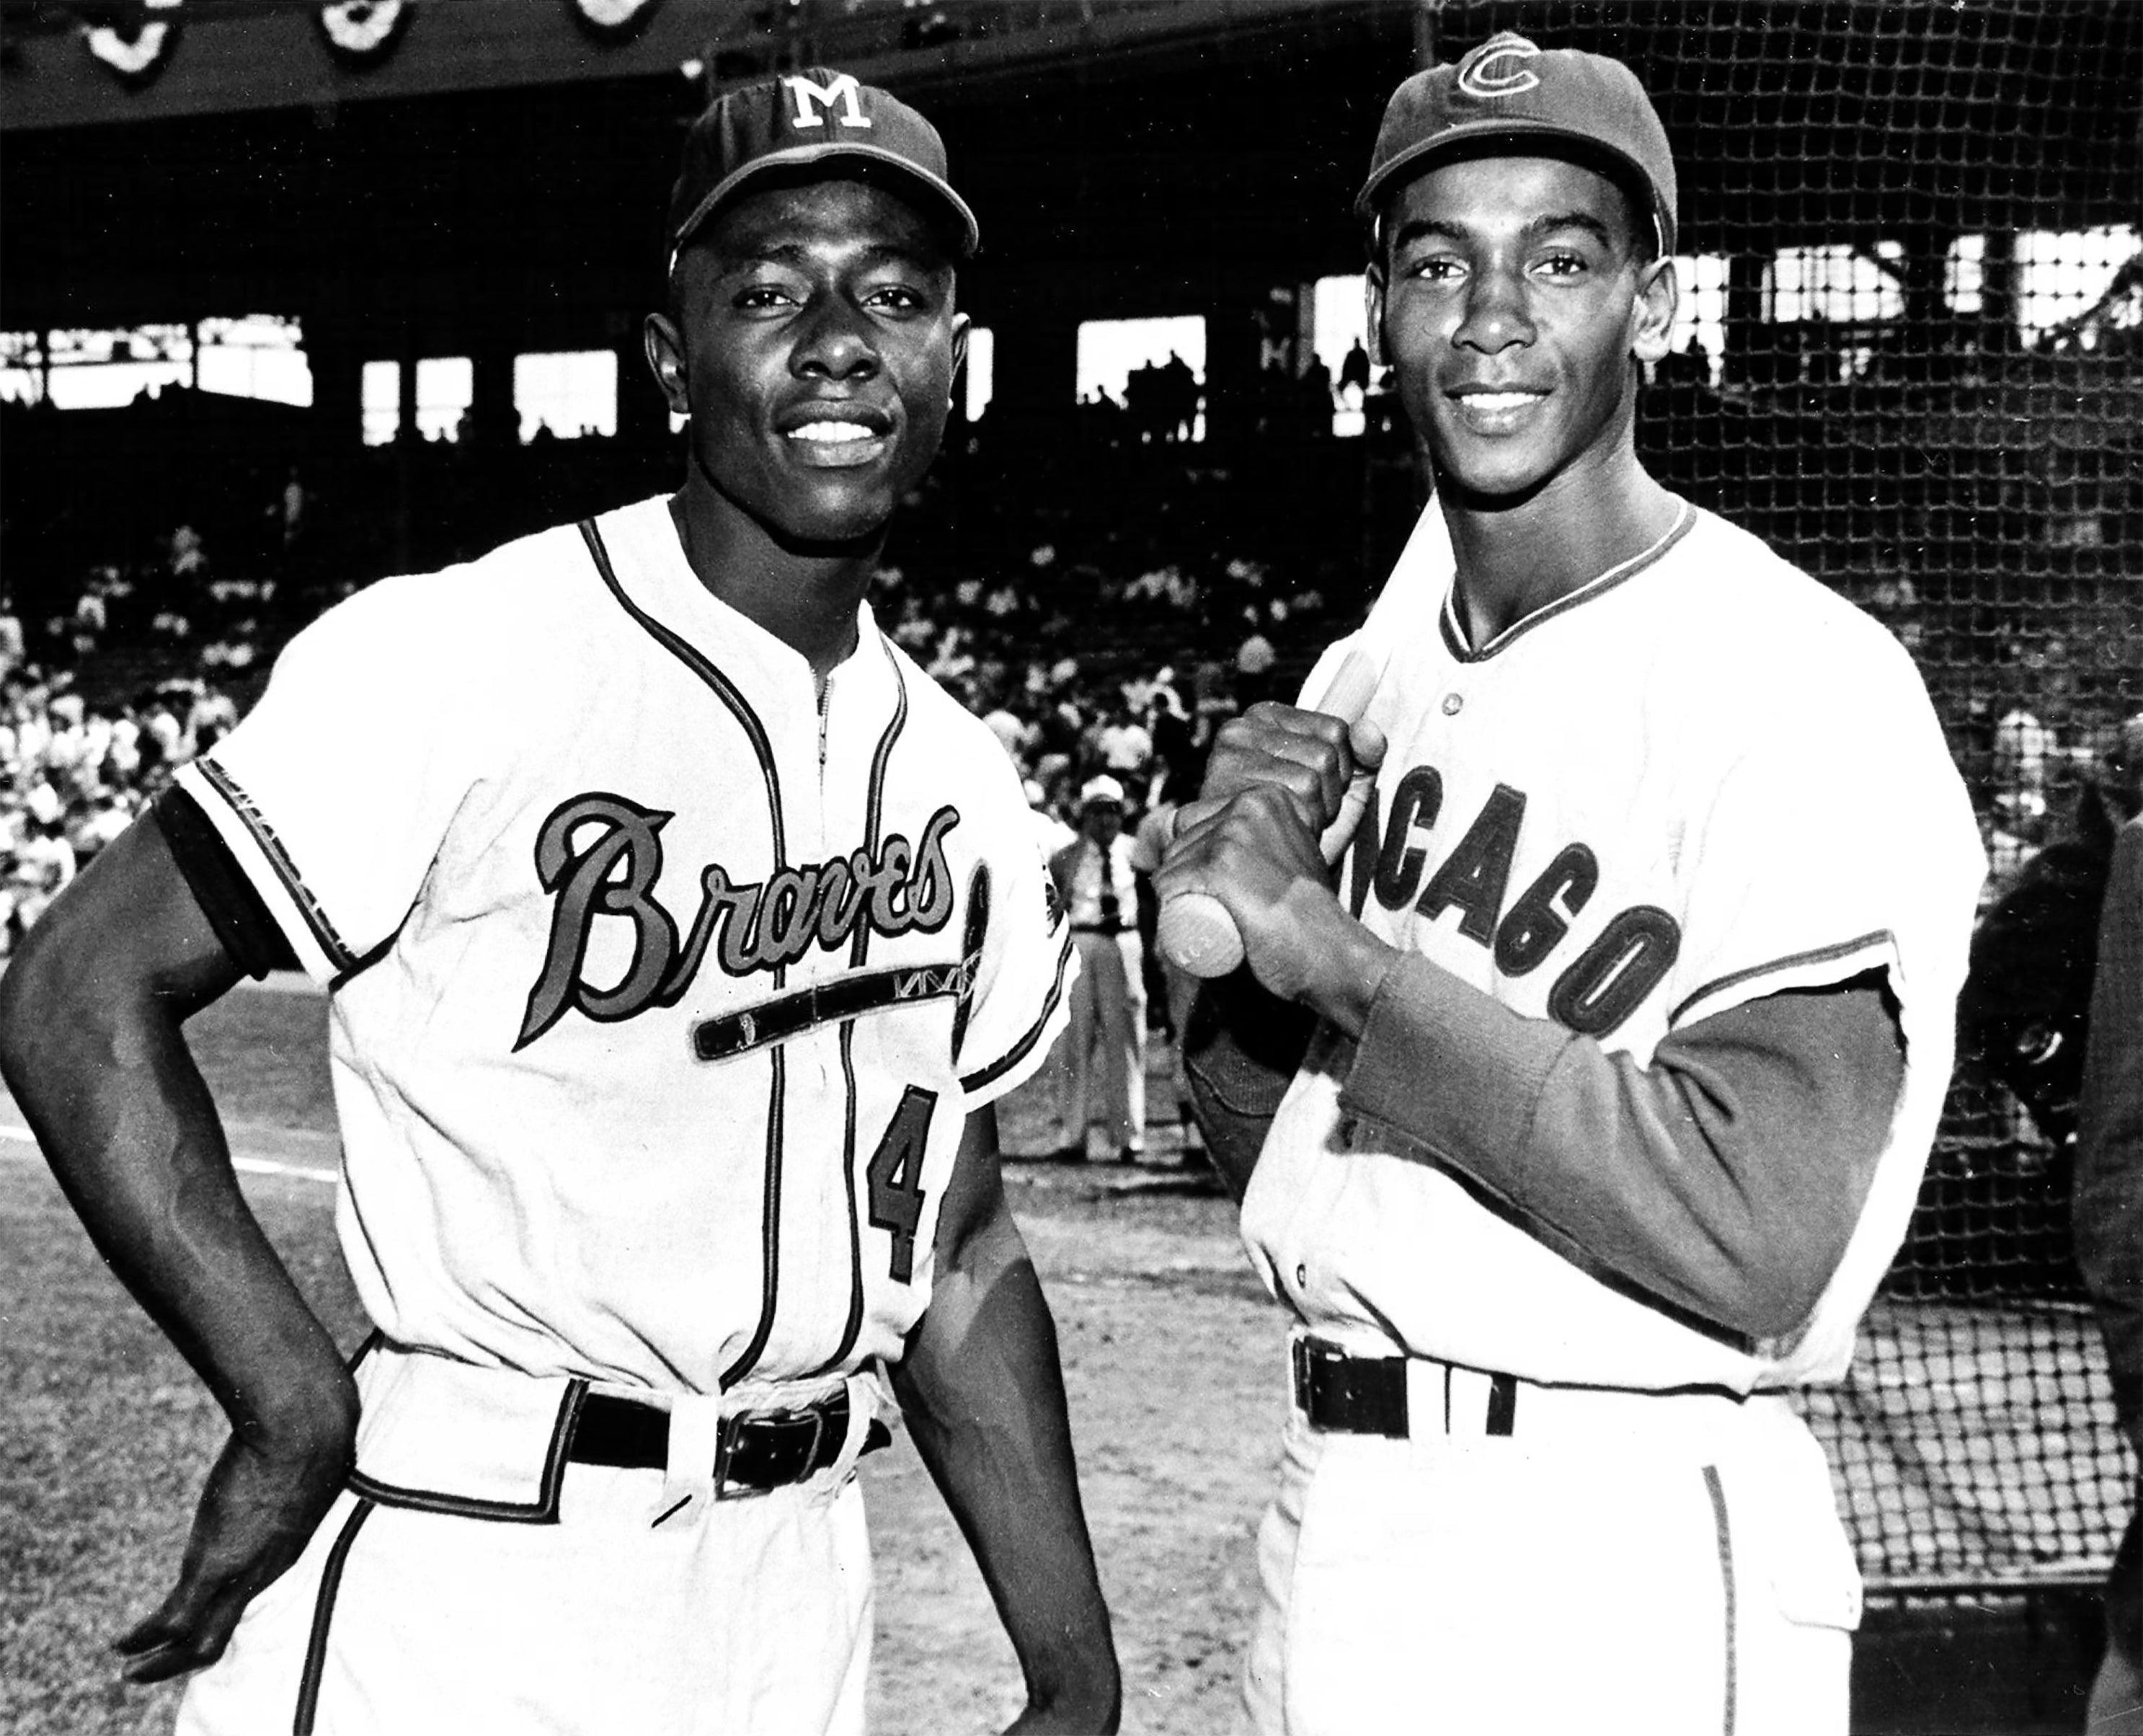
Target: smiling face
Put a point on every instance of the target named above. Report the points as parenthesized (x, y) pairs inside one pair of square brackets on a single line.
[(1513, 299), (812, 341)]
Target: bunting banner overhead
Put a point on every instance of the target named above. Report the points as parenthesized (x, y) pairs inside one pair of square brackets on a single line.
[(137, 50)]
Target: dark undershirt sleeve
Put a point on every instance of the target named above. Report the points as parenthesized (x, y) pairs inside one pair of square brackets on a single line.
[(1726, 1178), (233, 907), (1240, 1050)]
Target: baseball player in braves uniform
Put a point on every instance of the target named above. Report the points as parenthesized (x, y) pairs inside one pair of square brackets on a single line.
[(680, 934), (1581, 1118)]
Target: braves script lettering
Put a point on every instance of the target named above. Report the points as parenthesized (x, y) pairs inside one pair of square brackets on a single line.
[(599, 857)]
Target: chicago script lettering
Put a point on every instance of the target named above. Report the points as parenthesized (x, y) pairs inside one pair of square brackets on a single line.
[(600, 856), (1596, 991)]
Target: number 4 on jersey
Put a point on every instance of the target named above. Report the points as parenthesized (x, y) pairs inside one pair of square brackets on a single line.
[(896, 1177)]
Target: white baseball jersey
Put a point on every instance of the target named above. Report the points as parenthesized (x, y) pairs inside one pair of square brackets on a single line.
[(1698, 780), (661, 990)]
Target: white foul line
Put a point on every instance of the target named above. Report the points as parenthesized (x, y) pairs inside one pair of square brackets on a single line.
[(249, 1166)]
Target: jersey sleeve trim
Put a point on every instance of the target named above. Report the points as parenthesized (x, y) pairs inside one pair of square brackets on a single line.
[(275, 869), (983, 1078), (1878, 946), (235, 908)]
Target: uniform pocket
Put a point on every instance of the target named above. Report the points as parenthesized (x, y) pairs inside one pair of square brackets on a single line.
[(445, 1436), (1789, 1543)]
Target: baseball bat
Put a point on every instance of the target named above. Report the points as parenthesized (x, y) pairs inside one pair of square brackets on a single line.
[(1195, 933), (1194, 930)]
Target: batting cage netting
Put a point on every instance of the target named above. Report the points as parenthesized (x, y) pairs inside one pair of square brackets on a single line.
[(1911, 357)]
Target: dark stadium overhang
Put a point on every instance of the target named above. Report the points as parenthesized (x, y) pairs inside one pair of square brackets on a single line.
[(243, 55), (1125, 155)]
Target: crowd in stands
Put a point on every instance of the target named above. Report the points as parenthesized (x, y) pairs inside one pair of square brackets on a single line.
[(1094, 642), (74, 774), (1143, 714), (1105, 592)]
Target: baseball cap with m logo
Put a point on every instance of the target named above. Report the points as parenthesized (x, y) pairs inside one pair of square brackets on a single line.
[(798, 121)]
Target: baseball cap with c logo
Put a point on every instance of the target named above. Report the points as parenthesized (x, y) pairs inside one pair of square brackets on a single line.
[(1511, 91)]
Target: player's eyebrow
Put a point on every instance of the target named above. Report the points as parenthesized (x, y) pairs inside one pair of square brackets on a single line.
[(779, 252), (1422, 228), (1437, 228), (771, 252), (794, 256), (1584, 220)]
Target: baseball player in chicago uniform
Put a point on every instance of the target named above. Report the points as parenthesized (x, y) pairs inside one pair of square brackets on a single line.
[(1581, 1118), (680, 934)]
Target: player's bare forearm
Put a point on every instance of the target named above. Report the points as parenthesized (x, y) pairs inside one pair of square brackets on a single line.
[(89, 1041), (984, 1394)]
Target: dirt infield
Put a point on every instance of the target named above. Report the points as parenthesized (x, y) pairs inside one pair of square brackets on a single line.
[(1172, 1357)]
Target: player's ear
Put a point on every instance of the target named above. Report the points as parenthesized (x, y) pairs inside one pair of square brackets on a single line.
[(961, 326), (1658, 294), (1373, 298), (665, 349)]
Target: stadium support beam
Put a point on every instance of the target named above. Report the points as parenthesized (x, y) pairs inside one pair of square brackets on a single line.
[(1424, 33)]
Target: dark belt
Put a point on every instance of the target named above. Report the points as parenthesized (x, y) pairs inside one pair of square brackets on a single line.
[(1347, 1395), (770, 1451), (1100, 927)]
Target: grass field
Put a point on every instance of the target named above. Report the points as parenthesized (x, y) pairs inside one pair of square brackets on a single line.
[(1172, 1358)]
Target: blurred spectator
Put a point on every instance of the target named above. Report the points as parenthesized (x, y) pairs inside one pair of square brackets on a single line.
[(44, 864), (1105, 1042), (212, 715), (188, 557), (1254, 670), (1168, 989), (2024, 1010), (291, 509), (1012, 734), (1125, 746), (1354, 374), (2023, 748), (1316, 388), (73, 776)]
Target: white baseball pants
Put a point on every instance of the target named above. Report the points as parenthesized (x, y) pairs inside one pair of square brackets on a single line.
[(1619, 1562), (1105, 1044), (749, 1614)]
